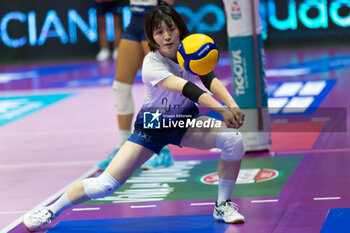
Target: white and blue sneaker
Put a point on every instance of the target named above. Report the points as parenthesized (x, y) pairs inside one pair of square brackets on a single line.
[(228, 213), (35, 219), (102, 165), (164, 159)]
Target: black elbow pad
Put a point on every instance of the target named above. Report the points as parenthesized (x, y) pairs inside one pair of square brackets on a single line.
[(207, 79), (191, 91)]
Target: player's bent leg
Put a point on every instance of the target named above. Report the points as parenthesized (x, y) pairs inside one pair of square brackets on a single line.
[(192, 138), (199, 138), (231, 144), (232, 150)]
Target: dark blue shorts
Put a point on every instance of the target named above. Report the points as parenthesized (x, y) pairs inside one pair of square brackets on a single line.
[(156, 141), (135, 30), (104, 7)]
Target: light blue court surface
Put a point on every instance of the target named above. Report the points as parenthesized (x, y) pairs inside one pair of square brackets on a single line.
[(189, 223), (337, 221), (14, 108)]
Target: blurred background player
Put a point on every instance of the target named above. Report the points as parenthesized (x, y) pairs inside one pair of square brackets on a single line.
[(133, 48), (102, 7)]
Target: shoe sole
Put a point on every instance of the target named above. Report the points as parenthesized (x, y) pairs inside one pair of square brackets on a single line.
[(26, 226), (238, 221)]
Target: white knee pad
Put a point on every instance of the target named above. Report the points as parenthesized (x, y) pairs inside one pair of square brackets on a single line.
[(100, 186), (124, 102), (231, 143)]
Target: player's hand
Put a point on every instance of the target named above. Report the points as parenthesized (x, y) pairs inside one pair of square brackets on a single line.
[(230, 120), (238, 115)]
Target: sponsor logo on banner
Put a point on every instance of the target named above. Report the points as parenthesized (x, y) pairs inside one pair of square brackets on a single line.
[(245, 176), (239, 71), (236, 10)]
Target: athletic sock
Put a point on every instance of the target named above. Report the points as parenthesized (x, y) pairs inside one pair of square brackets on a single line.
[(123, 137), (61, 204), (225, 190)]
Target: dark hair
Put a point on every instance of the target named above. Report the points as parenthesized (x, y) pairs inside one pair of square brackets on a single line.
[(156, 16)]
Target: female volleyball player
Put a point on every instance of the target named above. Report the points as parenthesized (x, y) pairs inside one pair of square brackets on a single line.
[(132, 49), (165, 80)]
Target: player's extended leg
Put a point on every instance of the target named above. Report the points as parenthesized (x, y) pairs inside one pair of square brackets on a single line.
[(129, 158), (231, 144)]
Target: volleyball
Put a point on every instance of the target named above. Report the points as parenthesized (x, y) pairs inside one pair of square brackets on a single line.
[(198, 54)]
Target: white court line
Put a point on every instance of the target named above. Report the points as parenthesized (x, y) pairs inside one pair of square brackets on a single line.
[(280, 121), (264, 201), (320, 119), (55, 132), (325, 198), (57, 164), (142, 206), (86, 209), (208, 203), (50, 199), (14, 212)]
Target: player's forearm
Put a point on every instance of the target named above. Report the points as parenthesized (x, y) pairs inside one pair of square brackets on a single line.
[(220, 91), (208, 101)]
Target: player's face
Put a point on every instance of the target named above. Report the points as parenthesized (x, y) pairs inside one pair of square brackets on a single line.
[(168, 39)]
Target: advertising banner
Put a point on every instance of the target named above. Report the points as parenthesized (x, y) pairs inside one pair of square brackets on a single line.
[(249, 80)]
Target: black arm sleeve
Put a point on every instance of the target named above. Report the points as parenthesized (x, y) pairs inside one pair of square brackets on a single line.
[(207, 79), (192, 91)]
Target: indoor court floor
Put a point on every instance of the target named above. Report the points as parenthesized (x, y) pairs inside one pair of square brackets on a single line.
[(58, 119)]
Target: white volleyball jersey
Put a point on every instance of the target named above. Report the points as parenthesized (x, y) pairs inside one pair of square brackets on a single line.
[(155, 68)]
